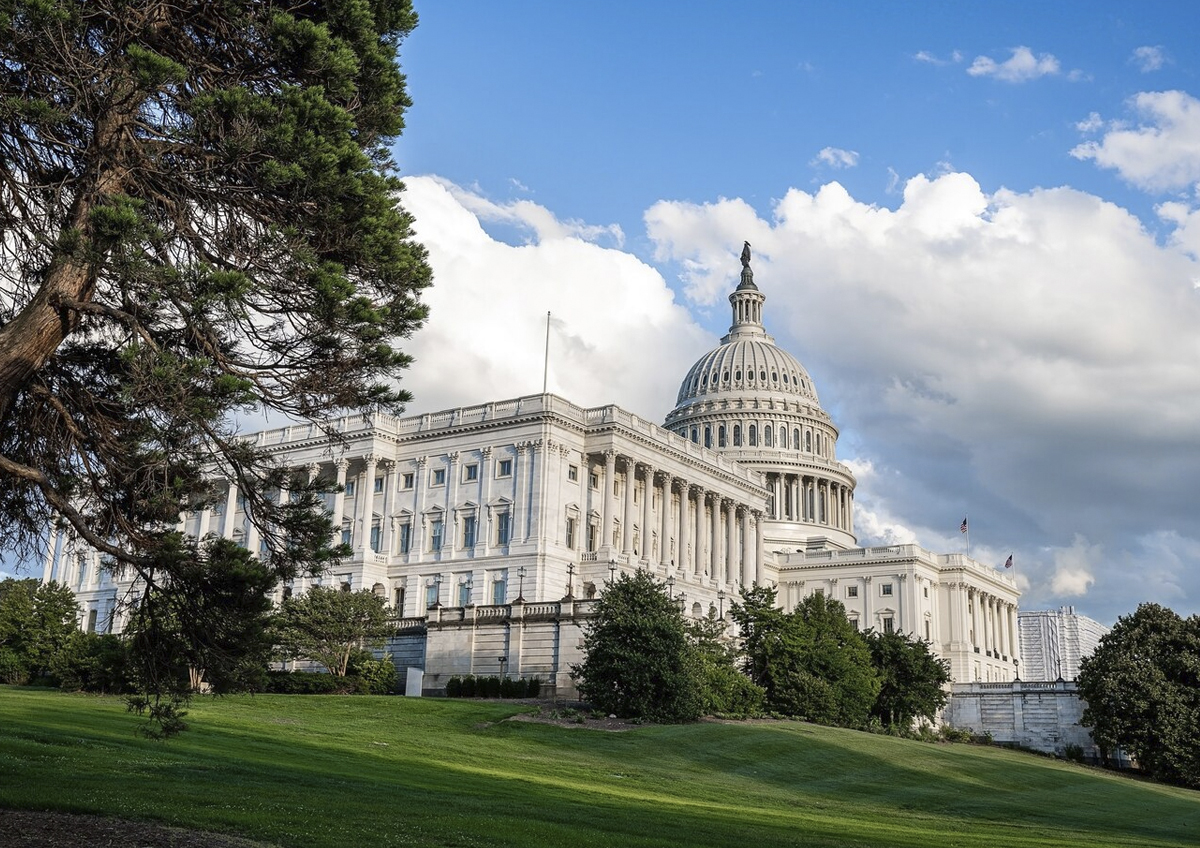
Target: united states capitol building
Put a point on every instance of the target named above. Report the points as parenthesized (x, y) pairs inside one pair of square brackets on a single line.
[(492, 528)]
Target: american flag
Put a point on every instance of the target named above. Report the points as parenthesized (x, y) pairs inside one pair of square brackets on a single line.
[(962, 528), (1008, 562)]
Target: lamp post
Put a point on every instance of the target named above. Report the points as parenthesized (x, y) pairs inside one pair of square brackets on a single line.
[(721, 601), (683, 601), (612, 570), (437, 582), (521, 584), (571, 580), (670, 585), (502, 661)]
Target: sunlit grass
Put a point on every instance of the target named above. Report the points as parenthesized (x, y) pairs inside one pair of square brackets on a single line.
[(332, 771)]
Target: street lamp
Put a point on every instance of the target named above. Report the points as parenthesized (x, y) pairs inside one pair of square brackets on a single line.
[(502, 661), (521, 584), (437, 582), (612, 570), (721, 601), (683, 601), (571, 580), (670, 585)]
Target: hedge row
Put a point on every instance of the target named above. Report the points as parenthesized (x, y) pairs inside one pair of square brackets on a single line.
[(493, 687)]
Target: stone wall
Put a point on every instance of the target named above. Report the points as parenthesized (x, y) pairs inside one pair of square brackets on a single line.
[(1045, 716), (516, 640)]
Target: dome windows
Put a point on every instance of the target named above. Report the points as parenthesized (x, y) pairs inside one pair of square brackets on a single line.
[(767, 436), (737, 435), (725, 376), (721, 436), (775, 377), (753, 434), (738, 376), (762, 376)]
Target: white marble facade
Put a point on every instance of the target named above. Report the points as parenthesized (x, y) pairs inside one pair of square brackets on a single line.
[(538, 498)]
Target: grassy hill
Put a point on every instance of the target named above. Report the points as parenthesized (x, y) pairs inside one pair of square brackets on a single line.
[(334, 771)]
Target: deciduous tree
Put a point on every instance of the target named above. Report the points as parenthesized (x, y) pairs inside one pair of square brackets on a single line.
[(1142, 687), (912, 679), (327, 625)]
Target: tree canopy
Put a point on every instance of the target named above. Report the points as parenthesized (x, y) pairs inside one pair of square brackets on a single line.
[(198, 216), (811, 662), (912, 679), (328, 625), (1142, 687), (36, 622)]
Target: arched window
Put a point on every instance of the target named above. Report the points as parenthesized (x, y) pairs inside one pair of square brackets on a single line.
[(808, 440), (762, 375), (721, 436), (767, 436), (753, 436), (738, 376), (725, 376), (775, 376), (785, 378), (782, 436), (707, 436), (696, 435), (796, 439), (737, 435)]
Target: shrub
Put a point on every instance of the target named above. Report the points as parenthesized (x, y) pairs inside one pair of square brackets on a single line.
[(454, 687), (93, 662), (306, 683), (533, 687), (13, 668), (468, 686), (491, 687), (372, 676)]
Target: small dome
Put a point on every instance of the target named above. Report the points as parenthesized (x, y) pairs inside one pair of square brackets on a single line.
[(747, 366)]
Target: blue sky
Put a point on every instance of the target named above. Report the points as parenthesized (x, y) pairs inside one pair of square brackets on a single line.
[(975, 224)]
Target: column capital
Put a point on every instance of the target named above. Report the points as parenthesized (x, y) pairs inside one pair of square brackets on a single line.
[(370, 459), (422, 461), (453, 457), (387, 464), (342, 464), (610, 456), (487, 452), (313, 469)]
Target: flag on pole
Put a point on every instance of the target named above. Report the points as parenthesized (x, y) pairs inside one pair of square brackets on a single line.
[(962, 528), (1008, 562)]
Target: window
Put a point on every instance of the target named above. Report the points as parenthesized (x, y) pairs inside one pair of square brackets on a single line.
[(721, 436), (499, 591), (349, 491), (925, 589), (376, 537), (468, 537), (783, 437), (695, 435), (504, 468), (347, 535), (796, 438), (435, 535), (573, 473), (708, 437), (885, 589), (470, 472), (753, 436), (889, 624), (378, 484), (439, 476), (570, 532), (398, 601), (927, 630), (592, 532), (808, 441), (91, 621), (594, 480), (406, 480), (854, 621), (503, 528), (464, 594), (767, 436), (431, 595), (405, 537), (851, 591), (737, 435)]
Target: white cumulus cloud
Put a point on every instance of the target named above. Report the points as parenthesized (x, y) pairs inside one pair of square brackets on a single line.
[(1021, 66), (1073, 567), (1148, 58), (1162, 152), (612, 314), (835, 157)]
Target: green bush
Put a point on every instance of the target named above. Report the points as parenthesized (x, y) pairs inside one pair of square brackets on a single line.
[(454, 687), (306, 683), (468, 686), (491, 687), (533, 687), (93, 662), (372, 676)]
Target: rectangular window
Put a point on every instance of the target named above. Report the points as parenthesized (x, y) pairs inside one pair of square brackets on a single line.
[(854, 621), (349, 488), (406, 480), (851, 591), (470, 472), (504, 468), (503, 528), (885, 589), (889, 625), (378, 484), (926, 590), (376, 538), (499, 592), (592, 533), (926, 630), (439, 476), (435, 535), (398, 603), (594, 481), (405, 538), (571, 533), (464, 594), (469, 531), (573, 473), (347, 535), (91, 621), (431, 595)]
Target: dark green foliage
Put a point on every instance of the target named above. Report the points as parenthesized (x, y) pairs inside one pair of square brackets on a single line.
[(374, 676), (912, 679), (811, 662), (93, 662), (642, 660), (470, 686), (37, 622), (1142, 687), (726, 691), (198, 216), (327, 625), (307, 683)]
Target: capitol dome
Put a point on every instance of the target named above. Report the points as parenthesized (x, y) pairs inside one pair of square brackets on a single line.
[(756, 403)]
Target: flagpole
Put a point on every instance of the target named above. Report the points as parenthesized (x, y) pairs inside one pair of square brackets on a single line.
[(546, 361), (967, 521)]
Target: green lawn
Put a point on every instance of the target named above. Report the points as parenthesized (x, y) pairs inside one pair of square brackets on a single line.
[(335, 771)]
